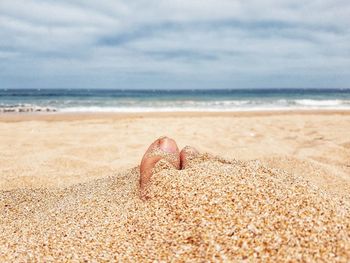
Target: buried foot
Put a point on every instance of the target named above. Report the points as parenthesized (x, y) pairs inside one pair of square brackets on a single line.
[(163, 149)]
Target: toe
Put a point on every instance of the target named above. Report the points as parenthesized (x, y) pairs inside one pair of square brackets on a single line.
[(163, 148), (186, 155)]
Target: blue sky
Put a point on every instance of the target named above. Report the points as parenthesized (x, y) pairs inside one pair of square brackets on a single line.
[(174, 44)]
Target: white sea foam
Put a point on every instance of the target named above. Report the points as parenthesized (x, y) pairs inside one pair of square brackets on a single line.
[(321, 103), (129, 105), (215, 106)]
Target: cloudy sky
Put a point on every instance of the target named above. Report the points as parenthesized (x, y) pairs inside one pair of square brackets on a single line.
[(174, 44)]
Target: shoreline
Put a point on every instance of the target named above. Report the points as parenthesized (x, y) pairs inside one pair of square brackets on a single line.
[(66, 116)]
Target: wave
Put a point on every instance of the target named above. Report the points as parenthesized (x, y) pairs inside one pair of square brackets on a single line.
[(322, 103), (227, 105), (176, 105)]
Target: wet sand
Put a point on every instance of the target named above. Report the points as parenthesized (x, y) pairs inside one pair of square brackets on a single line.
[(280, 189)]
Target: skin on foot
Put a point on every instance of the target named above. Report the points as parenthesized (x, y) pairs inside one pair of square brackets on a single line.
[(187, 154), (162, 148)]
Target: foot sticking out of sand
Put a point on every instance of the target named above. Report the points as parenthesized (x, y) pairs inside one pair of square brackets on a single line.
[(167, 150)]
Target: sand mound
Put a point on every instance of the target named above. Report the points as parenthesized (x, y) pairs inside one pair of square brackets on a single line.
[(215, 210)]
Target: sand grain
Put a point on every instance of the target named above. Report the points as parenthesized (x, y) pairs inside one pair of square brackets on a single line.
[(214, 210)]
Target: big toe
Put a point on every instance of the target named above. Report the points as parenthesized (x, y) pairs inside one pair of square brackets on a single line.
[(162, 148), (187, 154)]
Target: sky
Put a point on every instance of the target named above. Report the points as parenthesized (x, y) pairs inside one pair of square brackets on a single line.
[(147, 44)]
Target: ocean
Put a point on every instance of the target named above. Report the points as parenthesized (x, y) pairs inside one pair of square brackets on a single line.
[(97, 100)]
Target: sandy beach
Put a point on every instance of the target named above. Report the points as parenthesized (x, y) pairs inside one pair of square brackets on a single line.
[(278, 190)]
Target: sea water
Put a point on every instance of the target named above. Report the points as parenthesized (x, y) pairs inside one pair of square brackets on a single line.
[(99, 100)]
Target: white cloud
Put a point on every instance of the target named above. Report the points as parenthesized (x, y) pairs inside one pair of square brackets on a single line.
[(106, 40)]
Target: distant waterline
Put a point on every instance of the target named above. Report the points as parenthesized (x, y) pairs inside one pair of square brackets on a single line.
[(174, 100)]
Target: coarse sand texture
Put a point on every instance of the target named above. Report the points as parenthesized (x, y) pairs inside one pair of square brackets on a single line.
[(213, 210)]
